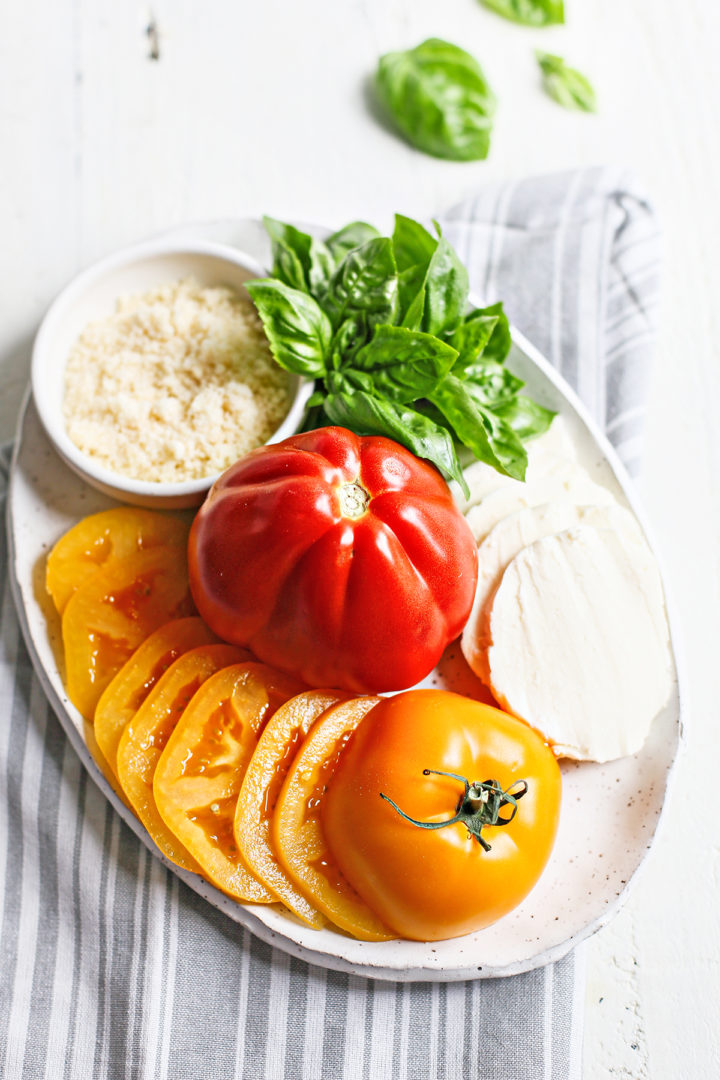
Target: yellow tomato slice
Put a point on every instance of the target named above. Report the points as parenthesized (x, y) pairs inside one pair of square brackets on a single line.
[(260, 788), (146, 735), (124, 695), (114, 612), (297, 831), (100, 539), (198, 776)]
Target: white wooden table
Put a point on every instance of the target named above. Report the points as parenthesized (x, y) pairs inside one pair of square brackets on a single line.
[(261, 107)]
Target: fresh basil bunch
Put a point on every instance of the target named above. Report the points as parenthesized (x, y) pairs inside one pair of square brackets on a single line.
[(529, 12), (439, 98), (382, 324)]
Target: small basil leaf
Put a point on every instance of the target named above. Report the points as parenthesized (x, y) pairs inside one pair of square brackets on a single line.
[(411, 296), (365, 282), (297, 328), (489, 438), (525, 416), (439, 98), (506, 445), (500, 341), (299, 260), (413, 247), (490, 383), (403, 364), (566, 85), (446, 290), (348, 238), (350, 336), (350, 380), (412, 243), (369, 415), (529, 12), (470, 339)]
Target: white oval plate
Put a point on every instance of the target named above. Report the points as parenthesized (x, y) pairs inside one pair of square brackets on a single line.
[(610, 812)]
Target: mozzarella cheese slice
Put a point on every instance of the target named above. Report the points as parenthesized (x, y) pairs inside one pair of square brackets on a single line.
[(578, 642), (565, 481), (519, 530), (552, 449)]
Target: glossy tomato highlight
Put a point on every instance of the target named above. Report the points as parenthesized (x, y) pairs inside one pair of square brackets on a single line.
[(342, 559), (413, 750)]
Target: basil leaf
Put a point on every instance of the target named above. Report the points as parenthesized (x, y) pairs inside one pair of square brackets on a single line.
[(299, 260), (396, 345), (365, 282), (490, 383), (506, 445), (433, 289), (350, 336), (369, 415), (500, 341), (297, 328), (348, 238), (412, 243), (529, 12), (439, 98), (411, 296), (470, 340), (490, 438), (402, 364), (446, 290), (525, 416), (566, 85)]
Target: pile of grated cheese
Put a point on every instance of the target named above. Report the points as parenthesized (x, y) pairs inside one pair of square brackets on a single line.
[(177, 384)]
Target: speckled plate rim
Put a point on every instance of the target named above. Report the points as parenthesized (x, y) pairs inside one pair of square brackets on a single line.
[(362, 958)]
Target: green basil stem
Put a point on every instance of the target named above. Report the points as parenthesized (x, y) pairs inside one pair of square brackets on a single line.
[(479, 805)]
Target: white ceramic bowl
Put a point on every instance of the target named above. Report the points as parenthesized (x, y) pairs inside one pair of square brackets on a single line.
[(92, 295)]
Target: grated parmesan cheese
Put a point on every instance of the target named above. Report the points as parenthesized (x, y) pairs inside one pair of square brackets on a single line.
[(177, 384)]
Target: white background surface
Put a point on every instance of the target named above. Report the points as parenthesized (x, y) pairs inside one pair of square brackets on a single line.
[(262, 107)]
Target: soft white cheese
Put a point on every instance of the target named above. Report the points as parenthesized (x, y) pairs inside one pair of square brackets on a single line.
[(517, 531), (579, 642), (563, 481)]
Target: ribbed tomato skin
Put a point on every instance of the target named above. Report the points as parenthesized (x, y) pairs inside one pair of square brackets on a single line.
[(366, 604)]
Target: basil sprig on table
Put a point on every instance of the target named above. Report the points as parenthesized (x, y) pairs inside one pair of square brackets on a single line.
[(438, 96), (564, 84), (382, 325), (529, 12)]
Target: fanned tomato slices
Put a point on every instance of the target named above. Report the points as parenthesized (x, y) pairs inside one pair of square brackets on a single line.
[(146, 735), (122, 698), (198, 776), (116, 609), (297, 831), (102, 540), (259, 791)]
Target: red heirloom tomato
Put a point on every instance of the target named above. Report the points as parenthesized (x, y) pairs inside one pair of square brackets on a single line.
[(442, 812), (341, 559)]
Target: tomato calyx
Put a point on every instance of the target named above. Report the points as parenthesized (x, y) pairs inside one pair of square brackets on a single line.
[(478, 806), (354, 500)]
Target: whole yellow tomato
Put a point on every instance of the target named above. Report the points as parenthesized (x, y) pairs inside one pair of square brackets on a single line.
[(442, 813)]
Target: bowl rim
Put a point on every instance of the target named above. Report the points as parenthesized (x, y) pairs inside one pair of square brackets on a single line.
[(52, 419)]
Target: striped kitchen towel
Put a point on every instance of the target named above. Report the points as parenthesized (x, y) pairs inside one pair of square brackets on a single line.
[(111, 969)]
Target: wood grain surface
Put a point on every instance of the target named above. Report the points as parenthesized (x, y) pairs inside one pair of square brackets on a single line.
[(117, 120)]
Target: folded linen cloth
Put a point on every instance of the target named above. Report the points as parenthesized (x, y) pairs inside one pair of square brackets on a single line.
[(110, 967)]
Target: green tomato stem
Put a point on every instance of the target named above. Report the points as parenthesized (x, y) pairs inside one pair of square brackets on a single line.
[(478, 806)]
